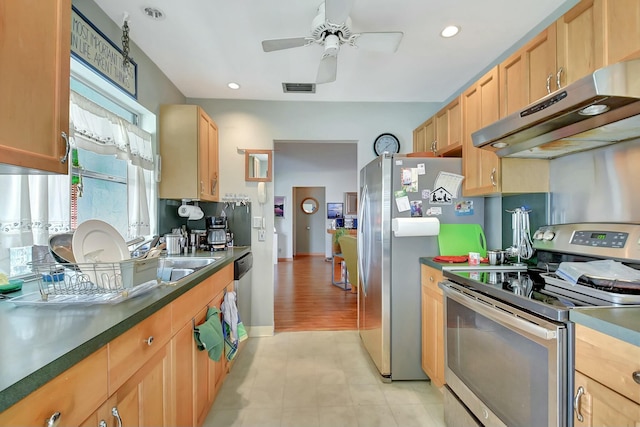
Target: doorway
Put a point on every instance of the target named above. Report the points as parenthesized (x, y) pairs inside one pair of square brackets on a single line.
[(309, 223)]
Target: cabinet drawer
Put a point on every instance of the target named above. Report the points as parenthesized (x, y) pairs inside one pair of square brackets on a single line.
[(75, 393), (608, 360), (430, 278), (129, 351)]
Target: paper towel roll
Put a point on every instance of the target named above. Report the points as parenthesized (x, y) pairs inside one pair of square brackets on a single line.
[(412, 227)]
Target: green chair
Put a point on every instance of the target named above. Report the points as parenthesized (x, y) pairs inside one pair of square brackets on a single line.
[(349, 248)]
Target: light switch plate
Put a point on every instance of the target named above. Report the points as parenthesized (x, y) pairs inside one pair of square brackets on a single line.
[(257, 222)]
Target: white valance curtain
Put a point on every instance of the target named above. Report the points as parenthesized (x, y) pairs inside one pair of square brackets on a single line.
[(95, 129)]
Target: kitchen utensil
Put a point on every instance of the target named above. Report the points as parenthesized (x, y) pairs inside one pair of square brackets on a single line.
[(495, 257), (457, 239), (60, 247), (173, 243), (451, 258)]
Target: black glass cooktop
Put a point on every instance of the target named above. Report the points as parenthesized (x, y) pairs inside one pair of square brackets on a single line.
[(525, 290)]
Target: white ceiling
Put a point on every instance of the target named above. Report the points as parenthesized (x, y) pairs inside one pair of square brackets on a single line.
[(201, 45)]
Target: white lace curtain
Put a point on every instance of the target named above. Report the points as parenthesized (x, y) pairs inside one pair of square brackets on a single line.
[(37, 206)]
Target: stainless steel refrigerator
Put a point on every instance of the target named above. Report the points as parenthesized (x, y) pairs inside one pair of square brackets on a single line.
[(389, 313)]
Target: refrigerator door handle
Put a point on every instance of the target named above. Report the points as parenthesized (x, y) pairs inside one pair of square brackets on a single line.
[(361, 243)]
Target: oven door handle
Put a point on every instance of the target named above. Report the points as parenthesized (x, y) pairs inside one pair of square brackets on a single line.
[(487, 309)]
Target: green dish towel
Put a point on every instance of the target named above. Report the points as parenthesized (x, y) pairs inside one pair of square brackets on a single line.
[(208, 335)]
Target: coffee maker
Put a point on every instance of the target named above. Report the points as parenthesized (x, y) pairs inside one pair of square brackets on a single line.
[(217, 233)]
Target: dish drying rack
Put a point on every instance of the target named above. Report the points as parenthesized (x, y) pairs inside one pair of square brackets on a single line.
[(99, 282)]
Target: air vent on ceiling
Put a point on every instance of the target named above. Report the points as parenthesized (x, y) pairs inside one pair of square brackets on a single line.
[(299, 87)]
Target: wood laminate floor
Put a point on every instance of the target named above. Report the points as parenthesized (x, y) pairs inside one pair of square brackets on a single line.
[(305, 299)]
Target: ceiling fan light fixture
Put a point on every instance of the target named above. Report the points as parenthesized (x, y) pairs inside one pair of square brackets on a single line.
[(450, 31), (233, 85), (331, 44)]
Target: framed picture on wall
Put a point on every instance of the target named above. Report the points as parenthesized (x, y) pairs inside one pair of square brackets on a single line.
[(335, 210), (278, 206)]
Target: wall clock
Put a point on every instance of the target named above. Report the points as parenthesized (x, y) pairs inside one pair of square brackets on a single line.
[(386, 142)]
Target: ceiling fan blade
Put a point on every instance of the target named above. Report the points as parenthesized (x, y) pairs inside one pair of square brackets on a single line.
[(328, 69), (378, 42), (337, 11), (279, 44)]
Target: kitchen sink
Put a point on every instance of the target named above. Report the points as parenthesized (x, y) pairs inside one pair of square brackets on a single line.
[(172, 269)]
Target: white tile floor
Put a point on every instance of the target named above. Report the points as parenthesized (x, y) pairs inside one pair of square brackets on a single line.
[(318, 379)]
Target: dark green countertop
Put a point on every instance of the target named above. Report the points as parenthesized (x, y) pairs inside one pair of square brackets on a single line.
[(38, 342), (619, 322)]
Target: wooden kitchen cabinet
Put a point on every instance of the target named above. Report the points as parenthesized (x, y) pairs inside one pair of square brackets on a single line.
[(608, 394), (189, 152), (441, 133), (75, 394), (197, 379), (621, 29), (485, 173), (529, 74), (480, 108), (34, 106), (432, 325), (424, 136)]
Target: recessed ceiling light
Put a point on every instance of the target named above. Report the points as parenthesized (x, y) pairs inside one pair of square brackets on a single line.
[(153, 13), (450, 31), (233, 85)]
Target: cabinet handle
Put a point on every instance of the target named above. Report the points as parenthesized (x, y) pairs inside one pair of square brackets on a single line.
[(492, 177), (549, 77), (431, 278), (558, 76), (102, 423), (116, 414), (67, 148), (636, 376), (434, 146), (54, 419), (201, 187), (149, 340), (576, 404)]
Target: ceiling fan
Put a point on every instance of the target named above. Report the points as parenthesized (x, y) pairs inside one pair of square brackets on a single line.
[(331, 28)]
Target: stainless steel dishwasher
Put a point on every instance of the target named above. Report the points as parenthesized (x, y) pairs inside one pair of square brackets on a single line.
[(242, 286)]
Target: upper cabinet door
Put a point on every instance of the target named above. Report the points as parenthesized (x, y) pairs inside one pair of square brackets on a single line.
[(529, 74), (580, 41), (622, 29), (34, 83)]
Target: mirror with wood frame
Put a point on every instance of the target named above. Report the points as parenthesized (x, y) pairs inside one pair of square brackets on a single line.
[(257, 165), (309, 205)]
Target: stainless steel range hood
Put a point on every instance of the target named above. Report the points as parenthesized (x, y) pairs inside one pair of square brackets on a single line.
[(563, 122)]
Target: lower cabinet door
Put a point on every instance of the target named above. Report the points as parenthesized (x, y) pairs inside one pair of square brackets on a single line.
[(598, 405), (183, 352), (144, 400)]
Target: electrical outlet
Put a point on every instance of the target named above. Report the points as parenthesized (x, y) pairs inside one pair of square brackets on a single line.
[(261, 235)]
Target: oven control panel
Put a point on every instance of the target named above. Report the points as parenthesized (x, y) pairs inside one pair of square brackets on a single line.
[(600, 238), (620, 241)]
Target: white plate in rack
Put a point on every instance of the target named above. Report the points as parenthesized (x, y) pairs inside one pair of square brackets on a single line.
[(95, 241)]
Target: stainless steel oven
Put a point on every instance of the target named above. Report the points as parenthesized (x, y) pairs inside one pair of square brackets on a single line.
[(508, 366), (509, 358)]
